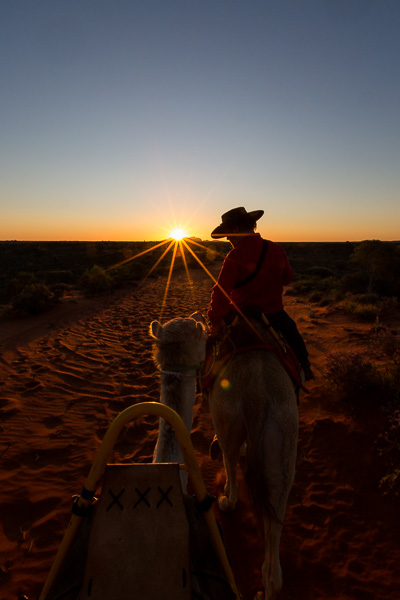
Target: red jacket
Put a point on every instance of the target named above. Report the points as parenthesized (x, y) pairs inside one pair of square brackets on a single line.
[(264, 291)]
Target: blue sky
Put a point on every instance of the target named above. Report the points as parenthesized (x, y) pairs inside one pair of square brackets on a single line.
[(121, 119)]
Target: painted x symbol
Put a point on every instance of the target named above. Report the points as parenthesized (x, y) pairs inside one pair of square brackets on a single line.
[(164, 496), (142, 497), (116, 500)]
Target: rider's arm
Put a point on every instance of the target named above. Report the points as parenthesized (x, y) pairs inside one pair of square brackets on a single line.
[(220, 301)]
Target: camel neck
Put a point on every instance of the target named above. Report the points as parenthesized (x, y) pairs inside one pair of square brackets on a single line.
[(180, 394)]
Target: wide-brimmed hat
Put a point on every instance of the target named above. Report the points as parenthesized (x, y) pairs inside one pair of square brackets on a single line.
[(235, 218)]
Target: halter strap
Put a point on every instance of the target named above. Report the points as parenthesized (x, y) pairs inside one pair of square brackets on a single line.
[(181, 370)]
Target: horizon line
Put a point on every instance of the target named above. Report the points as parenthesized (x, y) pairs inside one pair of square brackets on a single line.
[(99, 241)]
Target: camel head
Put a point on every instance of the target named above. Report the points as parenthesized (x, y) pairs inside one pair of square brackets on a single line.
[(180, 342)]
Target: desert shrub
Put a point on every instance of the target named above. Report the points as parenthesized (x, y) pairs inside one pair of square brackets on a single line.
[(120, 275), (389, 442), (315, 288), (319, 272), (316, 296), (96, 280), (385, 343), (59, 289), (390, 483), (130, 271), (326, 284), (355, 283), (137, 270), (17, 284), (337, 295), (34, 298), (59, 277), (356, 380), (389, 449), (367, 299), (301, 286), (369, 307), (325, 301), (380, 262), (388, 306), (365, 312), (360, 383)]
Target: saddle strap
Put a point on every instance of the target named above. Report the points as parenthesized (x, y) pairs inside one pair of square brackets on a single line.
[(256, 270)]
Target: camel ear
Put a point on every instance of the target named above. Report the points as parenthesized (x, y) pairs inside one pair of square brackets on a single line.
[(197, 316), (200, 320), (155, 330), (199, 329)]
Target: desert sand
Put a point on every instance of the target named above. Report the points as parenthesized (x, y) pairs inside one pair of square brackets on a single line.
[(67, 373)]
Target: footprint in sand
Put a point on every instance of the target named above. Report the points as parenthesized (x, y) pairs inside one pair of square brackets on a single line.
[(52, 422)]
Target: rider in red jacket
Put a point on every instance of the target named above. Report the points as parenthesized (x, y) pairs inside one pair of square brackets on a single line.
[(253, 276)]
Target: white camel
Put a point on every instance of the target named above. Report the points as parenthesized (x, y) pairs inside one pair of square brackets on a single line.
[(254, 401), (179, 349)]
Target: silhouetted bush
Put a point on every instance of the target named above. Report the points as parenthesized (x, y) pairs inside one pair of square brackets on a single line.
[(380, 263), (96, 280), (17, 284), (361, 310), (362, 384), (356, 379), (319, 272), (373, 299), (369, 307), (355, 283), (34, 298), (59, 277)]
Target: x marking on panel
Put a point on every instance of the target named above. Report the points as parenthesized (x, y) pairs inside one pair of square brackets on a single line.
[(164, 496), (142, 497), (116, 500)]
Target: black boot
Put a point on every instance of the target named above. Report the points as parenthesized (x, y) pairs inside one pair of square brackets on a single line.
[(308, 374)]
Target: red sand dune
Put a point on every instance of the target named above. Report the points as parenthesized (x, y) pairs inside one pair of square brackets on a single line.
[(66, 374)]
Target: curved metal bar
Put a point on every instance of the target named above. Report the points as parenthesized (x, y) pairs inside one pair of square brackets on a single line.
[(97, 471)]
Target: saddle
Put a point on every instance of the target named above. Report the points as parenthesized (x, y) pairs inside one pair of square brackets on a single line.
[(245, 333)]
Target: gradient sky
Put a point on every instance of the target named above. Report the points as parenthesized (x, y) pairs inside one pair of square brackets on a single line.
[(122, 118)]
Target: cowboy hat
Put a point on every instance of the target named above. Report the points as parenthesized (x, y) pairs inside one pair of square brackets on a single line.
[(235, 218)]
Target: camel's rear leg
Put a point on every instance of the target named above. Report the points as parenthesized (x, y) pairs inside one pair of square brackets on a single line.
[(227, 501), (280, 459), (271, 569), (231, 435)]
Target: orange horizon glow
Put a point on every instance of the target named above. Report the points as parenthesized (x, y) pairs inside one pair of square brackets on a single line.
[(157, 234)]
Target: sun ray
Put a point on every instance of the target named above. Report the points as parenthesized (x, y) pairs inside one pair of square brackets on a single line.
[(197, 244), (160, 259), (137, 255), (186, 266), (224, 292), (169, 279), (202, 265)]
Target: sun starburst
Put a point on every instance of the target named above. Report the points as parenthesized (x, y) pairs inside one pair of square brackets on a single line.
[(178, 234)]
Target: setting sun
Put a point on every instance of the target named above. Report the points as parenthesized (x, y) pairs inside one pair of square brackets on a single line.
[(178, 234)]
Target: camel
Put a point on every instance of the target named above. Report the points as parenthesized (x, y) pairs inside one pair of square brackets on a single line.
[(254, 402), (179, 352)]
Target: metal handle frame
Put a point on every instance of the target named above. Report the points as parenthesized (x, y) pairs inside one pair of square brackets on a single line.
[(97, 471)]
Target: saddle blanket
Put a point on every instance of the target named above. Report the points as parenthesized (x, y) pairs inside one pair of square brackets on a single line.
[(244, 341)]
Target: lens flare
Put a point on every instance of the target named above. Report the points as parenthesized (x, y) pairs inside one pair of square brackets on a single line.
[(178, 242), (178, 234)]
